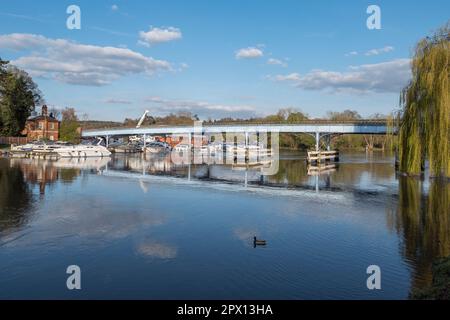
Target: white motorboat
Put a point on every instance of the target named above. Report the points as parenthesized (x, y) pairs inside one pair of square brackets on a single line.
[(182, 147), (140, 139), (38, 146), (23, 147), (215, 148), (83, 151), (157, 147)]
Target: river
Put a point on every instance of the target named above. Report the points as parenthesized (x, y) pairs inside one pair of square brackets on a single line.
[(147, 229)]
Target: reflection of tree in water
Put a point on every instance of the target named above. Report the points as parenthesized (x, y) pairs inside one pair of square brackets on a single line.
[(423, 219), (16, 177), (15, 197), (351, 173), (68, 175), (290, 171)]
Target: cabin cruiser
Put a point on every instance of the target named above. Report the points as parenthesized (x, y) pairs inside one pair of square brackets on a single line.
[(83, 151), (157, 147), (140, 139), (38, 146), (215, 148), (182, 147)]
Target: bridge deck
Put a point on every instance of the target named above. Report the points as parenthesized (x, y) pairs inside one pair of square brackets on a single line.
[(311, 126)]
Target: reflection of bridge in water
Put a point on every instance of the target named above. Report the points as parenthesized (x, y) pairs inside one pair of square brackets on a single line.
[(157, 166), (293, 173), (319, 129)]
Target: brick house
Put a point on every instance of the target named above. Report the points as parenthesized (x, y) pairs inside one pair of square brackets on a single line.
[(43, 126)]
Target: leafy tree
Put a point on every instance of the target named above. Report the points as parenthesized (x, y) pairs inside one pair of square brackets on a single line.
[(425, 127), (295, 117), (18, 97), (347, 141), (344, 115), (69, 126)]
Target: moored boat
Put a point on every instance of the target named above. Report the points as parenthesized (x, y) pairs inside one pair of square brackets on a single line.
[(157, 148), (83, 151)]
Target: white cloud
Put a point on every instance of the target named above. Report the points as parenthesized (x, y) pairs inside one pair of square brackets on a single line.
[(372, 52), (114, 7), (117, 101), (74, 63), (278, 62), (249, 53), (201, 108), (375, 52), (182, 66), (289, 77), (352, 53), (159, 35), (389, 76)]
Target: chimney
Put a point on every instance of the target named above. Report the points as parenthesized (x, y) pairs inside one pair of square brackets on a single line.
[(44, 110)]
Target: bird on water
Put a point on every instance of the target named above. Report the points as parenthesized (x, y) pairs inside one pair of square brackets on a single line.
[(257, 242)]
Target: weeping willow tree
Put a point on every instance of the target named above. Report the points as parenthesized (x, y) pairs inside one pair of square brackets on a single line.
[(425, 127)]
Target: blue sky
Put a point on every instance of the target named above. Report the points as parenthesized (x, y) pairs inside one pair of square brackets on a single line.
[(217, 58)]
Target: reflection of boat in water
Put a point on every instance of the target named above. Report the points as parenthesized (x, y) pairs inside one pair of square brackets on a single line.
[(82, 163), (321, 169), (83, 151), (157, 148)]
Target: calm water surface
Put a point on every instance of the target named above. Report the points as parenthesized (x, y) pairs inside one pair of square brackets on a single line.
[(144, 228)]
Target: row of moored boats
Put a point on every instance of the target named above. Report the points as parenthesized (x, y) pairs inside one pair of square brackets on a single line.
[(85, 150), (61, 149)]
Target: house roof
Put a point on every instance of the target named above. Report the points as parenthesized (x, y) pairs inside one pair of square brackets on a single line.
[(41, 117)]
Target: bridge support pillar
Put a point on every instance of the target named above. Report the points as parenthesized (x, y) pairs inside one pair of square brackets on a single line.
[(317, 141), (246, 138), (145, 141), (107, 141)]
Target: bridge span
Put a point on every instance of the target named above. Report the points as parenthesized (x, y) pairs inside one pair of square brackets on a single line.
[(317, 128)]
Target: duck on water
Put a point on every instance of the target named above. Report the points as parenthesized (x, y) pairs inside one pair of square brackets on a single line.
[(258, 242)]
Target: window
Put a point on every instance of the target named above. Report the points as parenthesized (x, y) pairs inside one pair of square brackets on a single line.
[(52, 126), (51, 136), (41, 125)]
